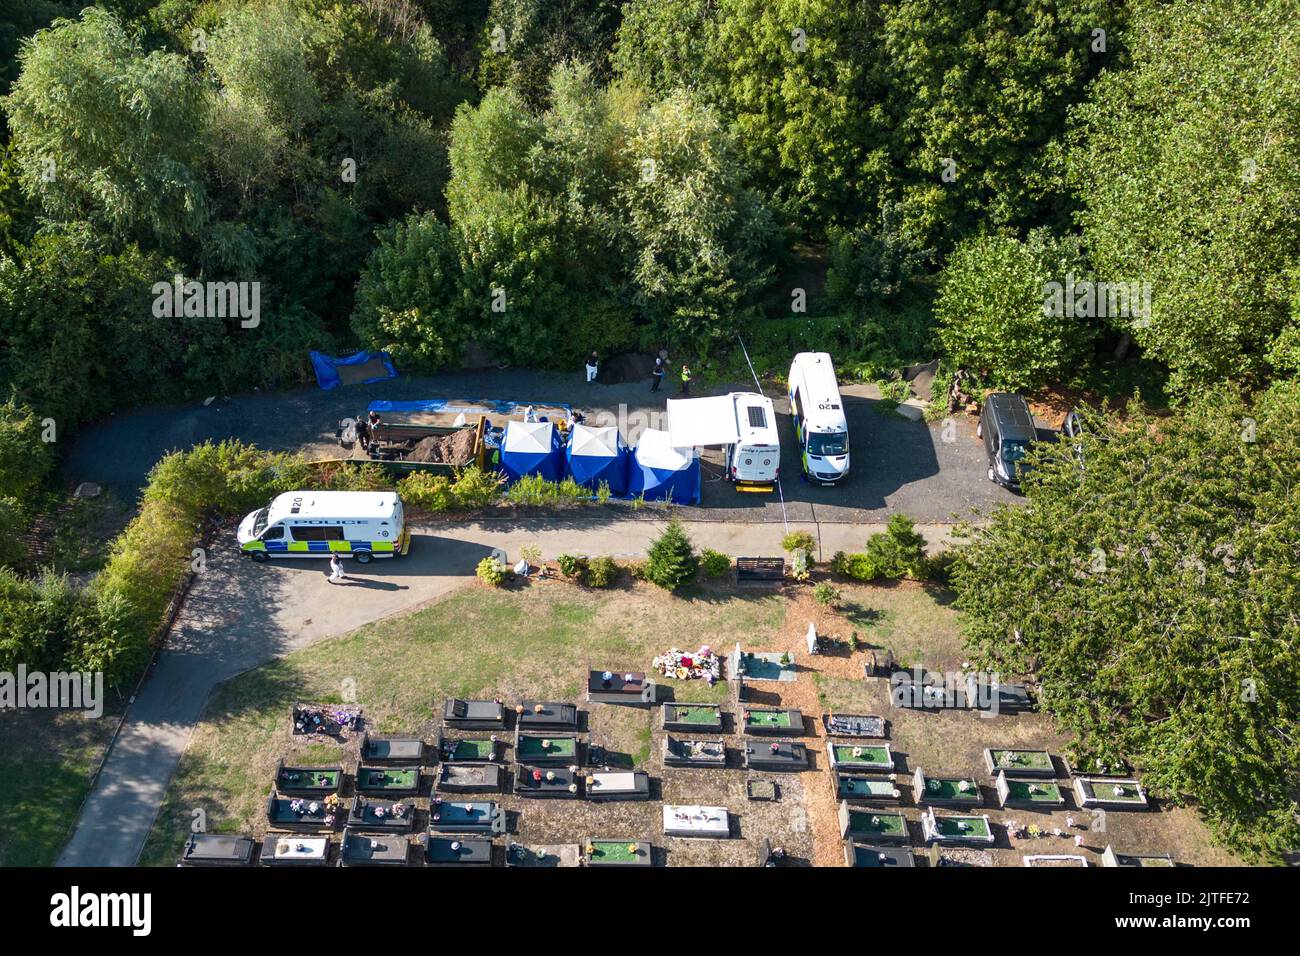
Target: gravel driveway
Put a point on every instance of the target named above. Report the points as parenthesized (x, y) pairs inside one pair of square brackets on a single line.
[(898, 465)]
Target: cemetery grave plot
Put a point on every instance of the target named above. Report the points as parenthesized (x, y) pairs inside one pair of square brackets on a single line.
[(550, 855), (1110, 793), (388, 781), (764, 721), (545, 715), (280, 849), (394, 750), (786, 755), (1019, 763), (301, 813), (456, 851), (764, 790), (696, 821), (218, 849), (862, 855), (856, 788), (474, 714), (617, 687), (693, 717), (954, 828), (617, 785), (308, 781), (887, 826), (559, 782), (1110, 858), (946, 790), (381, 816), (854, 725), (470, 778), (860, 756), (1032, 794), (762, 665), (466, 749), (693, 753), (1055, 859), (601, 852), (451, 816), (364, 849), (328, 720), (546, 748)]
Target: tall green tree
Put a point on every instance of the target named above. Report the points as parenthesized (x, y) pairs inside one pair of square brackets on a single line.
[(106, 131), (997, 317), (1153, 594), (1185, 164)]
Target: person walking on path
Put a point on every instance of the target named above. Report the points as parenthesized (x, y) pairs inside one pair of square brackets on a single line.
[(336, 568), (658, 373), (591, 368), (686, 379)]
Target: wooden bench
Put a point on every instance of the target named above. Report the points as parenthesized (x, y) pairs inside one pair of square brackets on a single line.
[(760, 570)]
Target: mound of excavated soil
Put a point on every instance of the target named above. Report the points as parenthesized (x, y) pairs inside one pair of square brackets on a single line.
[(456, 448)]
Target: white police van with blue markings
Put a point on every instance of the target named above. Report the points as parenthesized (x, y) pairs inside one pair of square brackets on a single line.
[(819, 420), (317, 524)]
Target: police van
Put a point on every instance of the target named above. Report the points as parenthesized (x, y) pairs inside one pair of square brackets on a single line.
[(754, 460), (819, 421), (317, 524)]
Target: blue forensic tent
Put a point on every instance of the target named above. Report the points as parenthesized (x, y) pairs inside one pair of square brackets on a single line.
[(360, 369), (531, 448), (663, 473), (595, 455)]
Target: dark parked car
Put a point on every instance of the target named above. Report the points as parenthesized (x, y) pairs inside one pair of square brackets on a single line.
[(1007, 428)]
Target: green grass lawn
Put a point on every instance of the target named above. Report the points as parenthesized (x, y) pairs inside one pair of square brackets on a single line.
[(531, 745), (875, 823), (46, 760), (613, 851), (1013, 760), (767, 718), (473, 750), (692, 715), (1045, 791), (387, 778), (951, 826), (949, 788), (533, 643)]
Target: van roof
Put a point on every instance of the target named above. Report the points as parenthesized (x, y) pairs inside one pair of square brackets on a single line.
[(377, 505), (814, 374), (1013, 417), (755, 419)]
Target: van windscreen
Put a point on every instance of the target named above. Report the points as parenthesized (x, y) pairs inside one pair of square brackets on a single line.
[(259, 521), (826, 446)]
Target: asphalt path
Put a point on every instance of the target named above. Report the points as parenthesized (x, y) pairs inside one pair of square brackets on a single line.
[(933, 472)]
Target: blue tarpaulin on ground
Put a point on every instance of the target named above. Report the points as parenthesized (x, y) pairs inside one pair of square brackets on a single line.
[(531, 448), (663, 473), (596, 455), (478, 406), (380, 368)]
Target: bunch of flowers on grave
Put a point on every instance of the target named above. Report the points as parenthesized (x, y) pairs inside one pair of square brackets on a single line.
[(683, 665)]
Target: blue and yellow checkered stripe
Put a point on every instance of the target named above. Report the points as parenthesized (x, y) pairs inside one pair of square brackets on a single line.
[(320, 547)]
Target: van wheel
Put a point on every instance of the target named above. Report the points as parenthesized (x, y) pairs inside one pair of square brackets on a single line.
[(363, 557), (258, 556)]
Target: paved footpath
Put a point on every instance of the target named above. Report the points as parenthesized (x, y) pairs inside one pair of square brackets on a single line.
[(239, 615)]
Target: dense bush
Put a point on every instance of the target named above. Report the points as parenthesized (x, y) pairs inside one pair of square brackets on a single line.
[(798, 541), (715, 564), (574, 567), (671, 561), (603, 572), (491, 570), (472, 489), (826, 593)]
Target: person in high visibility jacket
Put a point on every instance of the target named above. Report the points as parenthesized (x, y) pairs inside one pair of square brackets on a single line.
[(686, 379)]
